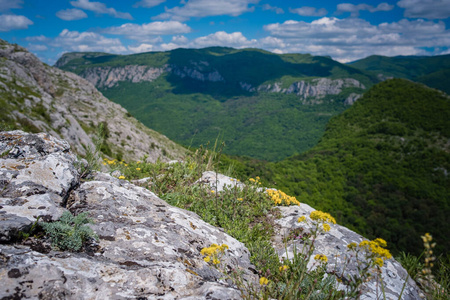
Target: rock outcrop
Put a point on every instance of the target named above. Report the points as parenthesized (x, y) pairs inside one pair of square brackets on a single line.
[(333, 244), (147, 249), (316, 88), (37, 97)]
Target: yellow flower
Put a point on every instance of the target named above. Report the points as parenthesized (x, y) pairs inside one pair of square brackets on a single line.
[(121, 177), (207, 258), (138, 169), (321, 258), (352, 246), (240, 199), (138, 162), (318, 215), (263, 281), (252, 180), (301, 219), (104, 164), (223, 247), (216, 261), (378, 261), (283, 268), (326, 227), (213, 191), (126, 165)]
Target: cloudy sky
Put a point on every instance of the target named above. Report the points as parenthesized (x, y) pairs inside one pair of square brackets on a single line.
[(345, 30)]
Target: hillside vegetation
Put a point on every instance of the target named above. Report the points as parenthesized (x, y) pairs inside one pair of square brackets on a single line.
[(433, 71), (192, 111), (381, 167)]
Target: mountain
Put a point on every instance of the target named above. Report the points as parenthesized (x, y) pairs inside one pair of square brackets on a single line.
[(381, 168), (261, 104), (433, 71), (35, 97)]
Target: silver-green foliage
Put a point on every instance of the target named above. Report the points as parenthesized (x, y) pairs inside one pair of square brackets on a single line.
[(69, 232)]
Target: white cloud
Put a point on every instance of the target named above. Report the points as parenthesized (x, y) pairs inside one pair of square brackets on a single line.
[(87, 41), (204, 8), (429, 9), (308, 11), (221, 38), (141, 48), (35, 47), (39, 38), (100, 8), (180, 39), (6, 5), (14, 22), (275, 9), (355, 9), (148, 3), (350, 39), (145, 31), (71, 14)]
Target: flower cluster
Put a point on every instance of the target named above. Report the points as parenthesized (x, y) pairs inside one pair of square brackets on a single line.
[(321, 258), (375, 250), (322, 217), (280, 198), (113, 162), (214, 253), (255, 180)]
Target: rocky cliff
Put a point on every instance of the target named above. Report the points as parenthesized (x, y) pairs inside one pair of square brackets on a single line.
[(147, 249), (37, 97)]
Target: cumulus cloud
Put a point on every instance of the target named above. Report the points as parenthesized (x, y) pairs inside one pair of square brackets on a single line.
[(275, 9), (350, 39), (355, 9), (14, 22), (145, 31), (6, 5), (100, 8), (141, 48), (36, 47), (204, 8), (71, 14), (429, 9), (308, 11), (221, 38), (148, 3), (87, 41)]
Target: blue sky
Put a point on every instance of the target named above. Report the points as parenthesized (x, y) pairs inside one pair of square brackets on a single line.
[(343, 29)]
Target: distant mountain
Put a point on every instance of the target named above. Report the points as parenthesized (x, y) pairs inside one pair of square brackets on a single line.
[(261, 104), (433, 71), (382, 167), (35, 97)]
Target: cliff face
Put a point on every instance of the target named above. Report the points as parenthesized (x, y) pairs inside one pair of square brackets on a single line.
[(318, 88), (37, 97)]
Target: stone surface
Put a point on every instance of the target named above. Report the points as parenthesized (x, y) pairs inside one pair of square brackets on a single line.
[(333, 244), (218, 181), (68, 106), (37, 173), (147, 249)]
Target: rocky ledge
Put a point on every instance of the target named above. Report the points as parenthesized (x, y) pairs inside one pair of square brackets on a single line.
[(147, 249)]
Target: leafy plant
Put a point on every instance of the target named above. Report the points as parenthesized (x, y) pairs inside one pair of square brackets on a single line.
[(69, 232)]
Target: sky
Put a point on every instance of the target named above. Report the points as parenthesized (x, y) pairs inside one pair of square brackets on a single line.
[(346, 30)]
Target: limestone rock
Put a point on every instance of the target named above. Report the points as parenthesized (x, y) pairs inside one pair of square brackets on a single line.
[(147, 249), (333, 244), (37, 173)]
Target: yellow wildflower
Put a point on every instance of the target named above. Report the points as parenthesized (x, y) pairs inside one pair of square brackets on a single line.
[(326, 227), (121, 177), (378, 261), (213, 191), (240, 199), (263, 281), (301, 219), (207, 258), (318, 215), (138, 169), (252, 180), (216, 261), (352, 246), (321, 258), (283, 268)]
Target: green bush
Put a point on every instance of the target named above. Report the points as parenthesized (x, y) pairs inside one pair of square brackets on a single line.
[(69, 232)]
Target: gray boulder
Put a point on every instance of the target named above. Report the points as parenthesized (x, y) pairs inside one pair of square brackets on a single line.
[(147, 249)]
